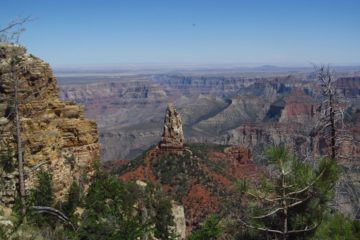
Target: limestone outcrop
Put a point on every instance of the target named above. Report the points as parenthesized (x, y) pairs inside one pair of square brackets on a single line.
[(178, 213), (172, 138), (55, 135)]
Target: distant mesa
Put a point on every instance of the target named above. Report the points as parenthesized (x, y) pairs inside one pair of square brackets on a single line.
[(268, 66)]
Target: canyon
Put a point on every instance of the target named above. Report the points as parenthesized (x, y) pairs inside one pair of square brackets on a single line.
[(216, 108), (251, 109), (193, 135)]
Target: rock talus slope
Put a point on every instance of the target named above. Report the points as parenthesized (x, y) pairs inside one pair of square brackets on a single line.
[(55, 135)]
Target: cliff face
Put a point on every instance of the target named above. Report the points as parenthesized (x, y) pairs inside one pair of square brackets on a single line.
[(350, 86), (54, 133)]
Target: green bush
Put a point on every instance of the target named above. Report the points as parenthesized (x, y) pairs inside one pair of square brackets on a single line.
[(337, 227), (164, 221), (6, 162), (111, 211), (211, 229), (73, 200), (41, 195)]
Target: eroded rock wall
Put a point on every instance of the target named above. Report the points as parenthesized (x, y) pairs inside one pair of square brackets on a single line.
[(55, 135)]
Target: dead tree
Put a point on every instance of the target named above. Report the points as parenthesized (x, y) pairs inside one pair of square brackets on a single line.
[(21, 96), (331, 127), (19, 147), (12, 31), (331, 120)]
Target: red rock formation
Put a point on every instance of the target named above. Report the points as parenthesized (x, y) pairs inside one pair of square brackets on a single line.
[(299, 107), (239, 163), (204, 182), (240, 154)]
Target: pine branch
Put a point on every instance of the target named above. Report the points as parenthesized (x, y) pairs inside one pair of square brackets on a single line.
[(260, 228), (268, 214), (307, 229), (308, 186)]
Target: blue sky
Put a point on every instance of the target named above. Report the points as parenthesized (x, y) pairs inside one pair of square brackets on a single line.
[(252, 32)]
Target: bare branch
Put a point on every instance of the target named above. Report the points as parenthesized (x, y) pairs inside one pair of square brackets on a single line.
[(35, 167), (268, 214), (15, 23), (260, 228), (308, 186), (54, 212), (11, 33)]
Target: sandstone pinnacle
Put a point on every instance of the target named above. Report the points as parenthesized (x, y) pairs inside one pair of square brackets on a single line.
[(173, 136)]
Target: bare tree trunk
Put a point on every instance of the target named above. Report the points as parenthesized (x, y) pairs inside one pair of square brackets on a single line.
[(285, 206), (332, 109), (332, 126), (19, 150)]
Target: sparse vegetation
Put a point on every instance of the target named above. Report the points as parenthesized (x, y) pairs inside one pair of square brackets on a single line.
[(111, 209), (6, 162)]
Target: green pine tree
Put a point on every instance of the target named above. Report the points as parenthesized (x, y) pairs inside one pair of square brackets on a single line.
[(291, 202)]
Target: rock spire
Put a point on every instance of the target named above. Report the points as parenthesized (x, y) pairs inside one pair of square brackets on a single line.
[(173, 136)]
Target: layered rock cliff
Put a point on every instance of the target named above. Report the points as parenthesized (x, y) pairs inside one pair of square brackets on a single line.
[(54, 134)]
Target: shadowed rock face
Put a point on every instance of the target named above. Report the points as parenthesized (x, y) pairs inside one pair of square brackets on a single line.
[(54, 133), (173, 136)]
